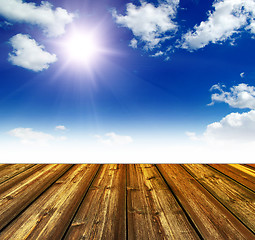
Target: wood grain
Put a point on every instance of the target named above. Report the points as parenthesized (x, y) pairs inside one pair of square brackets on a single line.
[(153, 212), (7, 171), (102, 215), (49, 216), (239, 173), (210, 217), (10, 182), (238, 199), (15, 199), (134, 201)]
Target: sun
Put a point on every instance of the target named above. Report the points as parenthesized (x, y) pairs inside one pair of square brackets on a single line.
[(82, 48)]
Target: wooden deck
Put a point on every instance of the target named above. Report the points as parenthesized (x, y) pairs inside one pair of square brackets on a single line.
[(114, 201)]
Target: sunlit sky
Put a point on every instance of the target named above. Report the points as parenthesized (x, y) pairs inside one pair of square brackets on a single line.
[(127, 81)]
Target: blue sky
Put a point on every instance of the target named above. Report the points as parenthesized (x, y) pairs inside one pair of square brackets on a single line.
[(171, 76)]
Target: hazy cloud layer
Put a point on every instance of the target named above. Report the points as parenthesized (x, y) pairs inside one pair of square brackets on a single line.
[(240, 96), (28, 135), (227, 19), (114, 139), (27, 53), (150, 24), (60, 127), (52, 21)]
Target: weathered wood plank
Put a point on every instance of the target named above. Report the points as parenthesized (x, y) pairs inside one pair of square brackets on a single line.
[(20, 177), (49, 216), (102, 214), (8, 171), (238, 199), (153, 212), (212, 219), (251, 165), (240, 173), (18, 197)]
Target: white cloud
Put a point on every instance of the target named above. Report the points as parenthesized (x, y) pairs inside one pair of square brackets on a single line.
[(52, 22), (240, 96), (242, 75), (150, 24), (157, 54), (28, 135), (235, 127), (27, 53), (192, 136), (133, 43), (228, 18), (114, 139), (60, 127)]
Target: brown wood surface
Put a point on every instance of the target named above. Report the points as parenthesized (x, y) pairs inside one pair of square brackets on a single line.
[(239, 173), (49, 216), (10, 182), (211, 218), (7, 171), (116, 201), (250, 165), (153, 212), (102, 214), (15, 199), (238, 199)]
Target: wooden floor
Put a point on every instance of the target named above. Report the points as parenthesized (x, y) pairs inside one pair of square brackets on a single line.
[(141, 201)]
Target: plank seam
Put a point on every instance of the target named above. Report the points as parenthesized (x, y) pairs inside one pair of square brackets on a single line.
[(126, 202), (181, 206), (249, 166), (34, 200), (83, 198), (230, 178), (17, 174), (219, 201)]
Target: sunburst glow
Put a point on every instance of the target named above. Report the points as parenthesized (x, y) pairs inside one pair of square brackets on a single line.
[(82, 48)]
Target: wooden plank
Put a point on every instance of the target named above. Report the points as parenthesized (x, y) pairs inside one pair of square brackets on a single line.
[(153, 212), (211, 218), (50, 215), (238, 199), (20, 177), (102, 214), (251, 165), (240, 173), (8, 171), (15, 199)]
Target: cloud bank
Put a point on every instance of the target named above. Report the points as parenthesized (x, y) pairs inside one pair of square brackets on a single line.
[(52, 21), (27, 53), (235, 127)]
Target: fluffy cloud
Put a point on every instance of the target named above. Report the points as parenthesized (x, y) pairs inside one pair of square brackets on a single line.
[(60, 127), (227, 19), (114, 139), (235, 127), (28, 54), (150, 24), (52, 22), (240, 96), (28, 135)]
